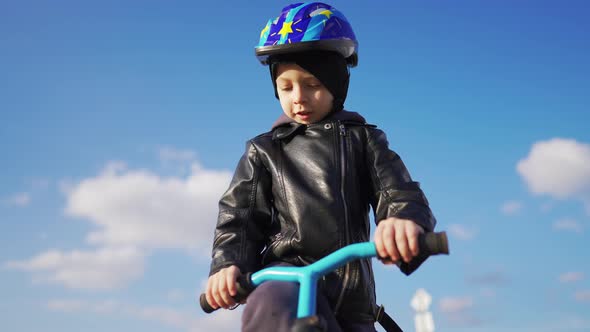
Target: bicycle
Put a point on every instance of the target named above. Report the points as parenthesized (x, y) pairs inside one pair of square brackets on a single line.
[(307, 277)]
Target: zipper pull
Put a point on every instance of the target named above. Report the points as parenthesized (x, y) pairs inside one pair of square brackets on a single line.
[(342, 130)]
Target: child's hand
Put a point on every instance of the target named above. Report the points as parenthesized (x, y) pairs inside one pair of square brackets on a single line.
[(222, 286), (397, 239)]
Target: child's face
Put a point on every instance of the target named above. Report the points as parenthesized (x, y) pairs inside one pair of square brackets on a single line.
[(303, 97)]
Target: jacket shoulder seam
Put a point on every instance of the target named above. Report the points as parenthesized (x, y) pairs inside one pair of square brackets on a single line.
[(370, 133)]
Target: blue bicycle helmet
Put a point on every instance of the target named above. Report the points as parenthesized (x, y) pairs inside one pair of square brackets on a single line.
[(311, 26)]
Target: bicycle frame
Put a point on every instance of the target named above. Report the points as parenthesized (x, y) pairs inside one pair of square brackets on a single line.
[(307, 276)]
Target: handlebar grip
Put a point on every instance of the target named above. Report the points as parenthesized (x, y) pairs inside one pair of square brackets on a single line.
[(434, 243), (244, 288), (207, 308), (430, 244)]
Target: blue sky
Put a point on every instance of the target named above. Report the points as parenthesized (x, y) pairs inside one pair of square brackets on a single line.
[(122, 123)]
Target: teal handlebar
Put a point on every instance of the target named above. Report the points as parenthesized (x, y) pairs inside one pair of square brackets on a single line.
[(307, 276)]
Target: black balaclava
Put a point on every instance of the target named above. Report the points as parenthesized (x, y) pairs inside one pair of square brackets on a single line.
[(330, 68)]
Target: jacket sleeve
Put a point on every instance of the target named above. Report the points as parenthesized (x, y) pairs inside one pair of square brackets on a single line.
[(394, 194), (244, 215)]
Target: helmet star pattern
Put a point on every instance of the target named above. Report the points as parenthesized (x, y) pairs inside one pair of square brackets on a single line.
[(286, 30)]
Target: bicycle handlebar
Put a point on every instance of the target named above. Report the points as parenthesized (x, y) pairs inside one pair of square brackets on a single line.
[(430, 244)]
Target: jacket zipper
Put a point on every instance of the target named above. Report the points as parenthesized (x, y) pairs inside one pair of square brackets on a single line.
[(345, 281)]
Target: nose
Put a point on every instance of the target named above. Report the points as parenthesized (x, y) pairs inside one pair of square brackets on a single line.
[(299, 95)]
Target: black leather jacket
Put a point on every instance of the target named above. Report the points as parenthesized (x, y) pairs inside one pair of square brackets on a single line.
[(302, 191)]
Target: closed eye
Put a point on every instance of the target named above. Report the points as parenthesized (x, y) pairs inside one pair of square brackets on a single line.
[(313, 83)]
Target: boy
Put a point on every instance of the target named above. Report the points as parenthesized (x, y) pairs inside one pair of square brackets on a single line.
[(305, 188)]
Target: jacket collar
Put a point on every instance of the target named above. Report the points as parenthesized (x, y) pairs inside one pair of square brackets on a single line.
[(285, 126)]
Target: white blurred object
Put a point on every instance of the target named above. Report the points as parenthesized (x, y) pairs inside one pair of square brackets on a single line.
[(423, 319)]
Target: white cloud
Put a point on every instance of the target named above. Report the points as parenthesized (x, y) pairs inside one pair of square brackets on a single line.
[(134, 212), (105, 268), (457, 310), (186, 320), (166, 316), (455, 304), (568, 225), (559, 168), (511, 208), (18, 200), (583, 295), (461, 232), (140, 208), (569, 277), (221, 320)]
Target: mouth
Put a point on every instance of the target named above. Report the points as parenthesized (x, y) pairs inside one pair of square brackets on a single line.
[(303, 115)]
